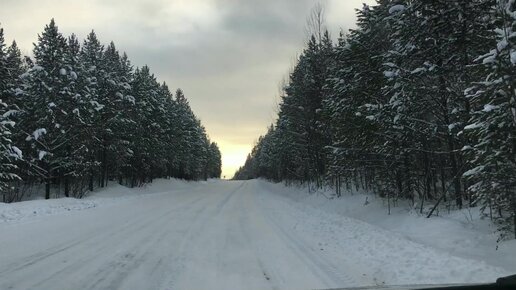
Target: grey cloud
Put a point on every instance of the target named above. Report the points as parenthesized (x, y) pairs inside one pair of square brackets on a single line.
[(227, 55), (272, 20)]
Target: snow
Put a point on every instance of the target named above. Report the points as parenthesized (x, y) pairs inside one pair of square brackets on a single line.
[(18, 91), (502, 44), (236, 235), (473, 126), (97, 106), (513, 57), (42, 154), (17, 152), (474, 171), (489, 108), (9, 113), (37, 68), (131, 99), (466, 147), (390, 74), (390, 64), (491, 58), (418, 70), (36, 134), (396, 8), (29, 211), (7, 123), (459, 233)]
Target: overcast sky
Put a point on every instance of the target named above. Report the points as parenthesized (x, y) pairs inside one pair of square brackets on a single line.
[(229, 56)]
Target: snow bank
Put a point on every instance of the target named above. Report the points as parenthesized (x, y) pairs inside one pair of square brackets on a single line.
[(30, 209), (112, 194), (404, 247)]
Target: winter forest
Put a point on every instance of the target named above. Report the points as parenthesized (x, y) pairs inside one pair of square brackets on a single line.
[(417, 104), (77, 114)]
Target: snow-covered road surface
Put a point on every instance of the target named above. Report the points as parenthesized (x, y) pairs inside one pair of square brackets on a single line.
[(216, 235)]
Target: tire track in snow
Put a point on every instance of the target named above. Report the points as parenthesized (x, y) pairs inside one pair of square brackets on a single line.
[(138, 249), (92, 246), (268, 273), (195, 228), (317, 261), (199, 232)]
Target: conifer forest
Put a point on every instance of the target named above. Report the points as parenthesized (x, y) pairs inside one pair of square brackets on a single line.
[(77, 114), (417, 103)]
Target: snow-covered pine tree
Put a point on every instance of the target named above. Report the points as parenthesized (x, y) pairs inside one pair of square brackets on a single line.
[(186, 123), (214, 161), (91, 58), (171, 140), (16, 68), (74, 173), (492, 126), (301, 112), (4, 69), (47, 87), (85, 115), (125, 123), (117, 107), (8, 76), (352, 99), (432, 42)]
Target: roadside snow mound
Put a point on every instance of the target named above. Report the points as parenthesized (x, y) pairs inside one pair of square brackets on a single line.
[(33, 208), (403, 247), (113, 193)]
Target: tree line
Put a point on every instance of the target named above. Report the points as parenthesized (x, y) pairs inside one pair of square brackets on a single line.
[(417, 102), (75, 116)]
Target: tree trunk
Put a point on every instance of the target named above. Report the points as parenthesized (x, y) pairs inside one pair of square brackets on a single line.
[(91, 181), (443, 177), (48, 180), (514, 220), (66, 187), (455, 172), (47, 189), (104, 168)]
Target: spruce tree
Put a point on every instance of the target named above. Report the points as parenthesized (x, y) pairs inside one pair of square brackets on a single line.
[(492, 126)]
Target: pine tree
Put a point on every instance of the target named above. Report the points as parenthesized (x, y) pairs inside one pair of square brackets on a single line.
[(44, 110), (113, 116), (8, 152), (85, 117), (352, 100), (214, 161), (492, 127)]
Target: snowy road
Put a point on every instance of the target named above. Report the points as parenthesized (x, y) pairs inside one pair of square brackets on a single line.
[(217, 235)]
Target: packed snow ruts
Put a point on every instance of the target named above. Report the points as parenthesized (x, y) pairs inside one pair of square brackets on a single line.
[(231, 235)]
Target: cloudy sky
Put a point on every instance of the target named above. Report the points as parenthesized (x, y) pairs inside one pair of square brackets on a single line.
[(229, 56)]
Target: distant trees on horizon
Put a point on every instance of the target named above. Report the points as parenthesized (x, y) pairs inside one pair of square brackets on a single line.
[(417, 102), (77, 115)]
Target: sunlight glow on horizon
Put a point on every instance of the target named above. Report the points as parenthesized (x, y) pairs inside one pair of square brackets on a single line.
[(233, 156)]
